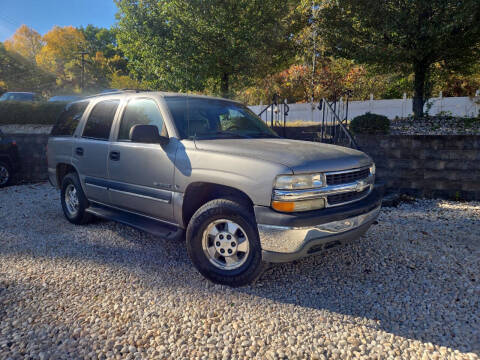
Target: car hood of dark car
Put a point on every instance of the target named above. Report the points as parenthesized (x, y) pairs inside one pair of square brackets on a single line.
[(300, 156)]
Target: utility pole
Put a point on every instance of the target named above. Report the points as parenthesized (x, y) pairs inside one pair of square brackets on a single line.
[(82, 75)]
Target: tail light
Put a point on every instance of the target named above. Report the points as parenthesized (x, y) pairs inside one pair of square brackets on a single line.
[(14, 143)]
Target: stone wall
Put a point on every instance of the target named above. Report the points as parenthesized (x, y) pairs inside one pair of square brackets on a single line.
[(427, 166), (421, 165), (33, 157)]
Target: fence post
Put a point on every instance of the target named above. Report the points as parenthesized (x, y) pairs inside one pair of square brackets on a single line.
[(404, 104), (440, 95), (371, 103)]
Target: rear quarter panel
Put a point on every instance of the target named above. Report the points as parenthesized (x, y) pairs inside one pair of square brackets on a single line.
[(59, 151)]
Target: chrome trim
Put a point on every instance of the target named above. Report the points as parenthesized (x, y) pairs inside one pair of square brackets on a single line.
[(327, 190), (327, 205), (140, 195), (293, 195), (347, 171), (96, 186), (284, 239)]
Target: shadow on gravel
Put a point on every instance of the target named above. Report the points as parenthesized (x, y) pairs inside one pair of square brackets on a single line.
[(415, 300), (395, 282)]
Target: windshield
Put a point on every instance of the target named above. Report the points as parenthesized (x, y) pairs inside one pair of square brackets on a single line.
[(203, 118), (16, 97)]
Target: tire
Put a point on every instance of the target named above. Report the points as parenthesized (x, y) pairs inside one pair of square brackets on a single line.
[(245, 264), (5, 174), (71, 185)]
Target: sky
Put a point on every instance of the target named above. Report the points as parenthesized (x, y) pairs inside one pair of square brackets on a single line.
[(42, 15)]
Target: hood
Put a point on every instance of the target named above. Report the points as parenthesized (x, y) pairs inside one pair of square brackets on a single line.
[(300, 156)]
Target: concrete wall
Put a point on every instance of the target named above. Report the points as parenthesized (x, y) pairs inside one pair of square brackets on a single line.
[(33, 157), (430, 166), (456, 106)]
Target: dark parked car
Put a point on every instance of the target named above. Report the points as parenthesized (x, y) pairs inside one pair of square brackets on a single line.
[(20, 96), (8, 159)]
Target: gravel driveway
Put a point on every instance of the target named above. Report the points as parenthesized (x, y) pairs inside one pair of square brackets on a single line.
[(409, 289)]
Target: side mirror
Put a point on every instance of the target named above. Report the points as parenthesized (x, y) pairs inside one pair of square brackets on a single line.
[(147, 134)]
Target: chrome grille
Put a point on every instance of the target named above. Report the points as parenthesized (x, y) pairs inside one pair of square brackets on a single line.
[(347, 176), (346, 197)]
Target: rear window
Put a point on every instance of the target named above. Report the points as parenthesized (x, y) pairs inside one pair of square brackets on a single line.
[(100, 120), (69, 119)]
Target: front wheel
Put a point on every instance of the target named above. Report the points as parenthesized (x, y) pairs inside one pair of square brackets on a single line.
[(223, 243)]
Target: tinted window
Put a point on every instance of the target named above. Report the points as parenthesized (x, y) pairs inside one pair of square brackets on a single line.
[(12, 96), (140, 112), (100, 120), (69, 118), (215, 118)]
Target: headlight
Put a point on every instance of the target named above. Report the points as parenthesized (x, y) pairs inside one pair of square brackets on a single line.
[(298, 182), (373, 168)]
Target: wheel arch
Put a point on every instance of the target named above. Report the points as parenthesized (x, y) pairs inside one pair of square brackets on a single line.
[(63, 169), (199, 193)]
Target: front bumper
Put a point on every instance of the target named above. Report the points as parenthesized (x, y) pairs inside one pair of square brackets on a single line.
[(286, 237)]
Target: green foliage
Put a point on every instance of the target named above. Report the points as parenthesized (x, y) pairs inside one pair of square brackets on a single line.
[(20, 74), (187, 44), (406, 35), (370, 124), (13, 112)]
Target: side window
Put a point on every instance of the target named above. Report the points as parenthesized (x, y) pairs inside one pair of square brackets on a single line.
[(69, 118), (100, 120), (140, 112)]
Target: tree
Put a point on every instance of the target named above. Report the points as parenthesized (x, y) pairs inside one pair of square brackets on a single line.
[(60, 55), (20, 74), (187, 44), (26, 41), (408, 35)]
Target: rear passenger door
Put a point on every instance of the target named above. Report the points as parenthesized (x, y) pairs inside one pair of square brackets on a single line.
[(141, 175), (90, 151)]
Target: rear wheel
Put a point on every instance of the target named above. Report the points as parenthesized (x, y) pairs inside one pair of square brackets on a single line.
[(223, 243), (74, 201), (5, 174)]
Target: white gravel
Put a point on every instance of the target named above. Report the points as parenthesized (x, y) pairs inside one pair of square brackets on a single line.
[(435, 125), (409, 289)]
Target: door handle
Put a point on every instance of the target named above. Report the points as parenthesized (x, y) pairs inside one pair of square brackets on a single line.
[(114, 155), (79, 151)]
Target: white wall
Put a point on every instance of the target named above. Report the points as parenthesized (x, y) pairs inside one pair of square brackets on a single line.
[(457, 106)]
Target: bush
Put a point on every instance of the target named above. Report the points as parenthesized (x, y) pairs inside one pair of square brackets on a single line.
[(21, 113), (370, 124)]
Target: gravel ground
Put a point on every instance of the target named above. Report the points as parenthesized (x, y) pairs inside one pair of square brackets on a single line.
[(408, 289), (436, 125)]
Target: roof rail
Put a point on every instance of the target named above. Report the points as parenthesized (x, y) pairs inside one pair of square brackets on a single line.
[(115, 92)]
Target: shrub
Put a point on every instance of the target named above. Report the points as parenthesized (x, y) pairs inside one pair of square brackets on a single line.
[(370, 124), (18, 112)]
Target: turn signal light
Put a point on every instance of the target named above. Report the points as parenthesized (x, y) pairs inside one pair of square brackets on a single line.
[(294, 206)]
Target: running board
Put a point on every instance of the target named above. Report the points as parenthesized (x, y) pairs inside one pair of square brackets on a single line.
[(154, 227)]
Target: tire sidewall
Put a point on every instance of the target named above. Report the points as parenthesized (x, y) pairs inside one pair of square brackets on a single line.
[(9, 171), (229, 210), (72, 178)]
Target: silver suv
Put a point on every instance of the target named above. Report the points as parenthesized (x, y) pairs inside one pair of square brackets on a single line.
[(165, 163)]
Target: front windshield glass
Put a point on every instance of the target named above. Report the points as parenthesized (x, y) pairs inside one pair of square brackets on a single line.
[(203, 118)]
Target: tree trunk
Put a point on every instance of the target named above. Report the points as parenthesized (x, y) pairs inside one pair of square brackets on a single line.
[(420, 70), (224, 85)]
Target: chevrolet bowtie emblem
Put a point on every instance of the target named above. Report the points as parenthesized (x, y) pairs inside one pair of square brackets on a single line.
[(361, 185)]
